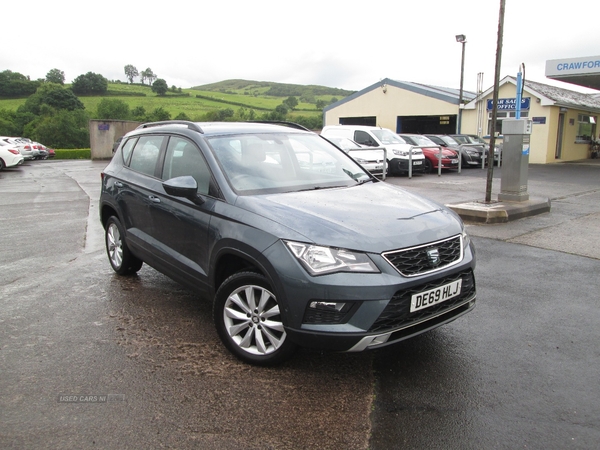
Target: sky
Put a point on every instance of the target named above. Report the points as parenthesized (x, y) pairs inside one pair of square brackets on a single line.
[(341, 44)]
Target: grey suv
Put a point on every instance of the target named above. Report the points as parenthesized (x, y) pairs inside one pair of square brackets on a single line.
[(293, 241)]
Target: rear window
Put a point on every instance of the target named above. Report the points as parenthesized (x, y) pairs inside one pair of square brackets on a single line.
[(145, 154)]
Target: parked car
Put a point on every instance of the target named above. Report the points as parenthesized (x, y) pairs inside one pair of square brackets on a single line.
[(43, 153), (371, 159), (290, 254), (24, 147), (431, 150), (10, 156), (470, 155), (398, 151), (51, 151), (477, 140)]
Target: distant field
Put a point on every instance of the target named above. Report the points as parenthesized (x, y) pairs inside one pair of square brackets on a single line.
[(138, 95)]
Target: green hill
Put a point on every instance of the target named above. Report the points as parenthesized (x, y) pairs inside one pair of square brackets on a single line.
[(260, 96), (268, 88)]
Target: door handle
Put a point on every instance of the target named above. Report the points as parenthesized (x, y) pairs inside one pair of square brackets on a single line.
[(154, 199)]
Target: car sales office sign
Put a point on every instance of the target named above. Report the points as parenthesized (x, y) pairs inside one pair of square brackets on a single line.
[(509, 104)]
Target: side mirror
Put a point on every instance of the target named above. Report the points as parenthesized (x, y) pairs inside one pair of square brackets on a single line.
[(185, 187)]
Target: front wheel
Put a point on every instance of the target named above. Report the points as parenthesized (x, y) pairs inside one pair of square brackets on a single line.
[(428, 166), (248, 320), (121, 259)]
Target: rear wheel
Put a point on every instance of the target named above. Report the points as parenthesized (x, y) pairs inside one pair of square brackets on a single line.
[(248, 320), (2, 165), (121, 259)]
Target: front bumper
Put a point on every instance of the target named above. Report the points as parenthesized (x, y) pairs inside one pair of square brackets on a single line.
[(394, 323), (377, 305), (401, 165)]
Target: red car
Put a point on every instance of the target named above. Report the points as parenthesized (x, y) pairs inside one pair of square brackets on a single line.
[(431, 151)]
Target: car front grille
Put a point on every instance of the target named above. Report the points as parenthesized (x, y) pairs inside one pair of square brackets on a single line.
[(397, 313), (426, 258)]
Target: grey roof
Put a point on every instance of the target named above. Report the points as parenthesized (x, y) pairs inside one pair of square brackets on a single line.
[(551, 95), (564, 97), (448, 95)]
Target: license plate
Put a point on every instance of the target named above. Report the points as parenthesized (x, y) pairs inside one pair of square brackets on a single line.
[(417, 163), (431, 297)]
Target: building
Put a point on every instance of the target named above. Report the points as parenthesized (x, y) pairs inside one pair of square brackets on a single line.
[(400, 106), (564, 121)]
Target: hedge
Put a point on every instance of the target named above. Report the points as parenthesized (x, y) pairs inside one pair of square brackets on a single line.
[(78, 153)]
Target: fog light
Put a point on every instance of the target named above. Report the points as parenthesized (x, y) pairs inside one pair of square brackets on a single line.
[(328, 306), (324, 312)]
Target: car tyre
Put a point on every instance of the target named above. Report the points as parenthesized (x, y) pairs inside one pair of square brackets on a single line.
[(120, 257), (248, 320), (2, 165), (428, 166)]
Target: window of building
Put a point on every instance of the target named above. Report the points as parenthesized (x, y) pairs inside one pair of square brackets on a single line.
[(586, 128), (500, 116)]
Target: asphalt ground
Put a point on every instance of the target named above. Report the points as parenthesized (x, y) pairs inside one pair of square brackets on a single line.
[(92, 360)]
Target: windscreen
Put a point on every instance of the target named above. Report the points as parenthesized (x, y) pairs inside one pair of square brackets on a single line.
[(387, 137), (265, 163)]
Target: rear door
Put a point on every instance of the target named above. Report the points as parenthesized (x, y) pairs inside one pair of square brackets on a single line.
[(137, 186)]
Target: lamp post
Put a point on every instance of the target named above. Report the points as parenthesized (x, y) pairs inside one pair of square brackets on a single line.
[(463, 40)]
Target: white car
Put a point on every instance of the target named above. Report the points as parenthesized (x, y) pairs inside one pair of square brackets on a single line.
[(399, 152), (25, 148), (370, 159), (10, 156)]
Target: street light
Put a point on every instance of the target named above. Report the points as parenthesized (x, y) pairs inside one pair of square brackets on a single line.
[(463, 40)]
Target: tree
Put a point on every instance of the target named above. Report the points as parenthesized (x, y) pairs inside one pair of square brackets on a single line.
[(15, 84), (131, 72), (55, 76), (148, 75), (53, 95), (160, 87), (139, 113), (62, 99), (90, 83), (291, 102), (159, 114), (112, 108), (182, 116), (63, 129)]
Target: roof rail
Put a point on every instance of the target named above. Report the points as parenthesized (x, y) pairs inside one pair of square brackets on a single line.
[(191, 125), (282, 122)]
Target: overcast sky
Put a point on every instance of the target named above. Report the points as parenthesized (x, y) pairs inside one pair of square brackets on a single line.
[(335, 43)]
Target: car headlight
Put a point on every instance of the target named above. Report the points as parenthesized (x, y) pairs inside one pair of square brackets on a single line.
[(400, 152), (318, 260), (361, 160)]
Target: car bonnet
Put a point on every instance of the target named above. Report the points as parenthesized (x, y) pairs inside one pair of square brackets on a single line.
[(373, 217)]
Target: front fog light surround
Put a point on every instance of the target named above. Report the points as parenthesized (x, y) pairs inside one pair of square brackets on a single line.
[(325, 312), (318, 260)]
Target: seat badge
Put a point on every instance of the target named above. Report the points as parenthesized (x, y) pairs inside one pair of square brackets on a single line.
[(433, 255)]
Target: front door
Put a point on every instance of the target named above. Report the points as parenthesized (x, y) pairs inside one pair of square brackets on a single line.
[(559, 136)]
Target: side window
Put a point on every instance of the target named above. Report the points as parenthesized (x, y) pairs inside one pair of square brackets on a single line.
[(145, 154), (363, 138), (184, 158), (127, 149)]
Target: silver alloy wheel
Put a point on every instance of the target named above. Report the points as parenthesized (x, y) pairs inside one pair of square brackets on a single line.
[(114, 245), (253, 321)]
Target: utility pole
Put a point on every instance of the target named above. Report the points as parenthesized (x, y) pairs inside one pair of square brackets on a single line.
[(490, 158)]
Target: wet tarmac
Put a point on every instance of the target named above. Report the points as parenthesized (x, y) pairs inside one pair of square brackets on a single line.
[(92, 360)]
